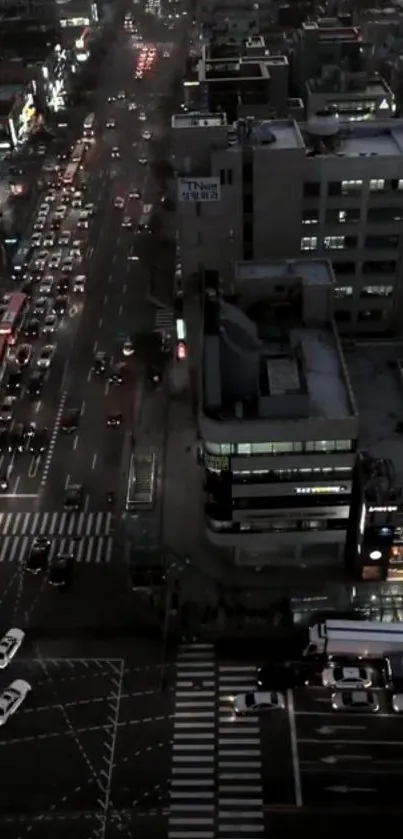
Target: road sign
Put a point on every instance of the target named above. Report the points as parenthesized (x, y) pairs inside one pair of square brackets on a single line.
[(345, 789), (199, 190), (332, 729)]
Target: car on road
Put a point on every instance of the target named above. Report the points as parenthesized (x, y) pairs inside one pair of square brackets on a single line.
[(110, 123), (64, 238), (115, 153), (89, 208), (46, 285), (79, 284), (24, 355), (70, 420), (7, 410), (17, 438), (55, 260), (355, 700), (4, 482), (14, 383), (73, 498), (83, 220), (62, 286), (49, 240), (128, 348), (119, 202), (61, 570), (4, 439), (143, 160), (60, 306), (111, 98), (36, 382), (38, 442), (67, 265), (132, 106), (135, 193), (38, 227), (252, 703), (41, 306), (146, 134), (50, 324), (12, 697), (31, 328), (116, 375), (45, 356), (100, 363), (38, 555), (36, 239), (142, 116), (347, 677), (114, 420), (284, 675), (122, 94), (9, 646), (127, 222)]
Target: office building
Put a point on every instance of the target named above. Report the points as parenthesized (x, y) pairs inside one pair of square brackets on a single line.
[(278, 190), (277, 417)]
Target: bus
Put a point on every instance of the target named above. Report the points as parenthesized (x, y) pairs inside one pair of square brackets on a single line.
[(78, 153), (70, 174), (22, 258), (12, 316), (359, 639), (144, 225), (88, 129), (3, 355)]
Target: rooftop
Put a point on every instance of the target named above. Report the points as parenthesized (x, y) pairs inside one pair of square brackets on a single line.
[(346, 84), (196, 119), (231, 69), (376, 370), (264, 357), (9, 91)]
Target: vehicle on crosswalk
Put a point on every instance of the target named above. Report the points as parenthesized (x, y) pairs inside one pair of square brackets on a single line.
[(347, 677), (61, 570), (283, 676), (12, 697), (355, 700), (38, 555), (9, 646), (73, 498), (252, 703)]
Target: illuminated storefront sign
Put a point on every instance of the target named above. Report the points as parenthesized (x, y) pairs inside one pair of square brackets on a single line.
[(75, 21)]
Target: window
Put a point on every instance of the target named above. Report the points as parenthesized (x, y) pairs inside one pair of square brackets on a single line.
[(334, 188), (311, 189), (310, 217), (222, 177), (309, 243), (375, 242), (384, 215), (248, 204), (198, 209), (218, 448), (343, 291), (377, 185), (247, 173), (387, 266), (329, 446), (342, 316), (244, 448), (200, 238), (343, 268), (376, 291), (370, 315), (334, 243), (351, 187), (348, 216), (230, 177)]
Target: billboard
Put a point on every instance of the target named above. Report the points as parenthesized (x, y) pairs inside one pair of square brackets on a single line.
[(203, 190)]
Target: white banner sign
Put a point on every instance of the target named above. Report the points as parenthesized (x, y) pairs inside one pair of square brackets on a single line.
[(199, 189)]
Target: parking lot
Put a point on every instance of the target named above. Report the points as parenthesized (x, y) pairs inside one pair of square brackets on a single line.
[(317, 757), (57, 749)]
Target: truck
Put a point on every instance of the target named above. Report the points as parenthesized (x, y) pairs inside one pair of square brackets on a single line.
[(356, 639)]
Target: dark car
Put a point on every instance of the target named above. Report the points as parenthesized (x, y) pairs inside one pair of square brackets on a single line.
[(70, 420), (284, 676), (61, 570), (38, 555), (62, 287), (73, 498), (31, 328), (154, 374), (56, 223), (4, 440), (100, 363), (116, 375), (4, 482), (60, 306), (36, 382), (38, 442), (114, 420), (14, 383), (17, 438), (28, 288)]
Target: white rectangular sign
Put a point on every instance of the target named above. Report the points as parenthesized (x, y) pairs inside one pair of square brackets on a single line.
[(199, 189)]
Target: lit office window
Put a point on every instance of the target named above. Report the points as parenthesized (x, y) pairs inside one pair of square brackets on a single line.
[(376, 184), (309, 243), (334, 243)]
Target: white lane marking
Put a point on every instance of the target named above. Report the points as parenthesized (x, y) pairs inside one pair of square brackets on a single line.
[(94, 461), (67, 481), (75, 442), (53, 438)]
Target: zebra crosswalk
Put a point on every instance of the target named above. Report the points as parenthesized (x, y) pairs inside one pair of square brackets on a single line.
[(56, 524), (89, 549), (164, 321), (216, 781)]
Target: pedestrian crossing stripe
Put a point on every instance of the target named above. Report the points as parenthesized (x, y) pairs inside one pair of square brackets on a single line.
[(56, 524), (90, 549)]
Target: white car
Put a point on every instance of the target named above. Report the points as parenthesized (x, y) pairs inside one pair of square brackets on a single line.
[(9, 645), (75, 253), (79, 284), (142, 116), (143, 160), (36, 240), (12, 697), (67, 265), (83, 220), (251, 703), (146, 135), (347, 677), (119, 203), (115, 152), (89, 208), (110, 123), (49, 240), (54, 260), (45, 356), (7, 409), (50, 325), (128, 348), (397, 703), (355, 700), (64, 238), (46, 286), (44, 208), (121, 94), (39, 224), (132, 106), (127, 222)]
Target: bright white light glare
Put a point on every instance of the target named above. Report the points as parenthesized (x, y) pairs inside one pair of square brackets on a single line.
[(375, 555)]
